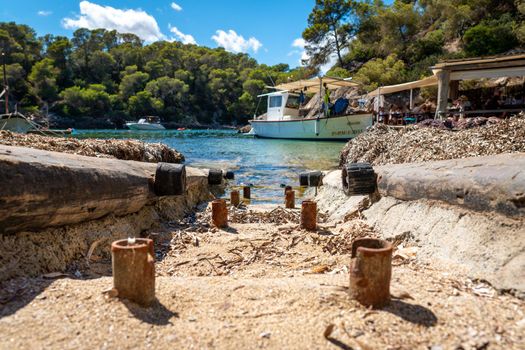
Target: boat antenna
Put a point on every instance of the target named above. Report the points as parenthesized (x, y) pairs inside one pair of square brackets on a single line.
[(6, 88), (269, 76)]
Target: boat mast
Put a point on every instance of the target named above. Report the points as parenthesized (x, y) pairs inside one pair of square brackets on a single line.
[(6, 88)]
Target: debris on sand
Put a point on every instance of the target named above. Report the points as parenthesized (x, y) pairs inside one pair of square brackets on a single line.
[(120, 149), (385, 145)]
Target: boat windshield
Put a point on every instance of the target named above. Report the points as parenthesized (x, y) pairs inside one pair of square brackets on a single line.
[(292, 102)]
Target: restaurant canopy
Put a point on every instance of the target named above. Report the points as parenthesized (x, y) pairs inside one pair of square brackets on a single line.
[(390, 89), (313, 84)]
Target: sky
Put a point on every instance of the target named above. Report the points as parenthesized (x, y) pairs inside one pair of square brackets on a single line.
[(269, 30)]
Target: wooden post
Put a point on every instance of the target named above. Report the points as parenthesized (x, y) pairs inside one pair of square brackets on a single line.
[(287, 188), (289, 199), (371, 271), (235, 198), (309, 215), (219, 213), (443, 90), (133, 263)]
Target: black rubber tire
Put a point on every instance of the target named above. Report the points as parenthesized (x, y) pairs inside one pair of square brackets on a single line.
[(303, 179), (229, 175), (170, 179), (311, 179), (215, 177), (359, 179)]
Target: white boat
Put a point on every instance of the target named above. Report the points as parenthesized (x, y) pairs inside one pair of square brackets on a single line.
[(147, 123), (283, 119), (16, 122)]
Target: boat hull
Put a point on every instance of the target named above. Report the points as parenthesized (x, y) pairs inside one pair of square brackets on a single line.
[(15, 124), (334, 128), (144, 126)]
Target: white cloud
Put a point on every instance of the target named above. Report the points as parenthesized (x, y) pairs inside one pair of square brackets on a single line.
[(234, 42), (138, 22), (44, 13), (300, 43), (184, 38), (176, 7)]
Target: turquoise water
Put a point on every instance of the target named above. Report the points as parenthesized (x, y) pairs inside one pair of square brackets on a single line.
[(262, 162)]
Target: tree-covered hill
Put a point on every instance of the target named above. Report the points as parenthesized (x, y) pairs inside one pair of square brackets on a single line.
[(104, 75), (389, 44)]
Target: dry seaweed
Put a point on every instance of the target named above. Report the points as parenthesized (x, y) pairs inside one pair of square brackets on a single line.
[(385, 145), (120, 149)]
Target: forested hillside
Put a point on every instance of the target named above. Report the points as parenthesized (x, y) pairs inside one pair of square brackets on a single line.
[(105, 75), (389, 44), (108, 75)]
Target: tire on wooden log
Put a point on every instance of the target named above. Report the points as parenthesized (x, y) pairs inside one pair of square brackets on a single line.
[(215, 177), (229, 175), (358, 179), (170, 179)]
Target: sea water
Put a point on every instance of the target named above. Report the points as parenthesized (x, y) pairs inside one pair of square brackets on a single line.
[(266, 164)]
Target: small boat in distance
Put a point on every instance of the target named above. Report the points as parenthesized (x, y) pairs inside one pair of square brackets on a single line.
[(15, 122), (286, 117), (146, 123)]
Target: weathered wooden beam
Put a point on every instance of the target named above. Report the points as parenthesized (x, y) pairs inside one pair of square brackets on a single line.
[(42, 189), (486, 184)]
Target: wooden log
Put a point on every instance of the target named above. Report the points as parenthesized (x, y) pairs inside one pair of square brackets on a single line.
[(219, 213), (484, 184), (43, 189), (289, 199), (235, 198)]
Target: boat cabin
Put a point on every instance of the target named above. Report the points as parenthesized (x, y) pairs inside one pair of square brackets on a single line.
[(282, 105)]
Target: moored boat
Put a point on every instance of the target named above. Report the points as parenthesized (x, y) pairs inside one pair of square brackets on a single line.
[(147, 123), (15, 122), (285, 119)]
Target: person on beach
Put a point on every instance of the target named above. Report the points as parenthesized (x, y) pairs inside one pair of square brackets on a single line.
[(326, 101)]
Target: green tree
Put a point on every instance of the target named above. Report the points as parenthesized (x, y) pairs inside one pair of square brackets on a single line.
[(143, 103), (379, 72), (330, 27), (132, 83), (44, 79)]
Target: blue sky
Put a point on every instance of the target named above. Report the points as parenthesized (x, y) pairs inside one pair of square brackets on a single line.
[(267, 30)]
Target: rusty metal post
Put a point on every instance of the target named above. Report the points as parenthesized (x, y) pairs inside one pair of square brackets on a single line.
[(246, 192), (309, 215), (235, 198), (287, 188), (370, 271), (219, 213), (133, 263), (289, 199)]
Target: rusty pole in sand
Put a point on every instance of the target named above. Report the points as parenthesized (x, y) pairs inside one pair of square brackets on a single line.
[(133, 263), (289, 199), (246, 192), (370, 271), (235, 198), (219, 213), (309, 215)]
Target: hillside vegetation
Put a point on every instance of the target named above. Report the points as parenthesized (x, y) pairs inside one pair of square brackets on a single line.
[(104, 75)]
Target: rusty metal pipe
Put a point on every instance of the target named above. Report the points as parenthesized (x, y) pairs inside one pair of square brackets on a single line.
[(133, 263), (371, 271), (287, 188), (235, 198), (309, 215), (289, 199), (219, 213), (246, 192)]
